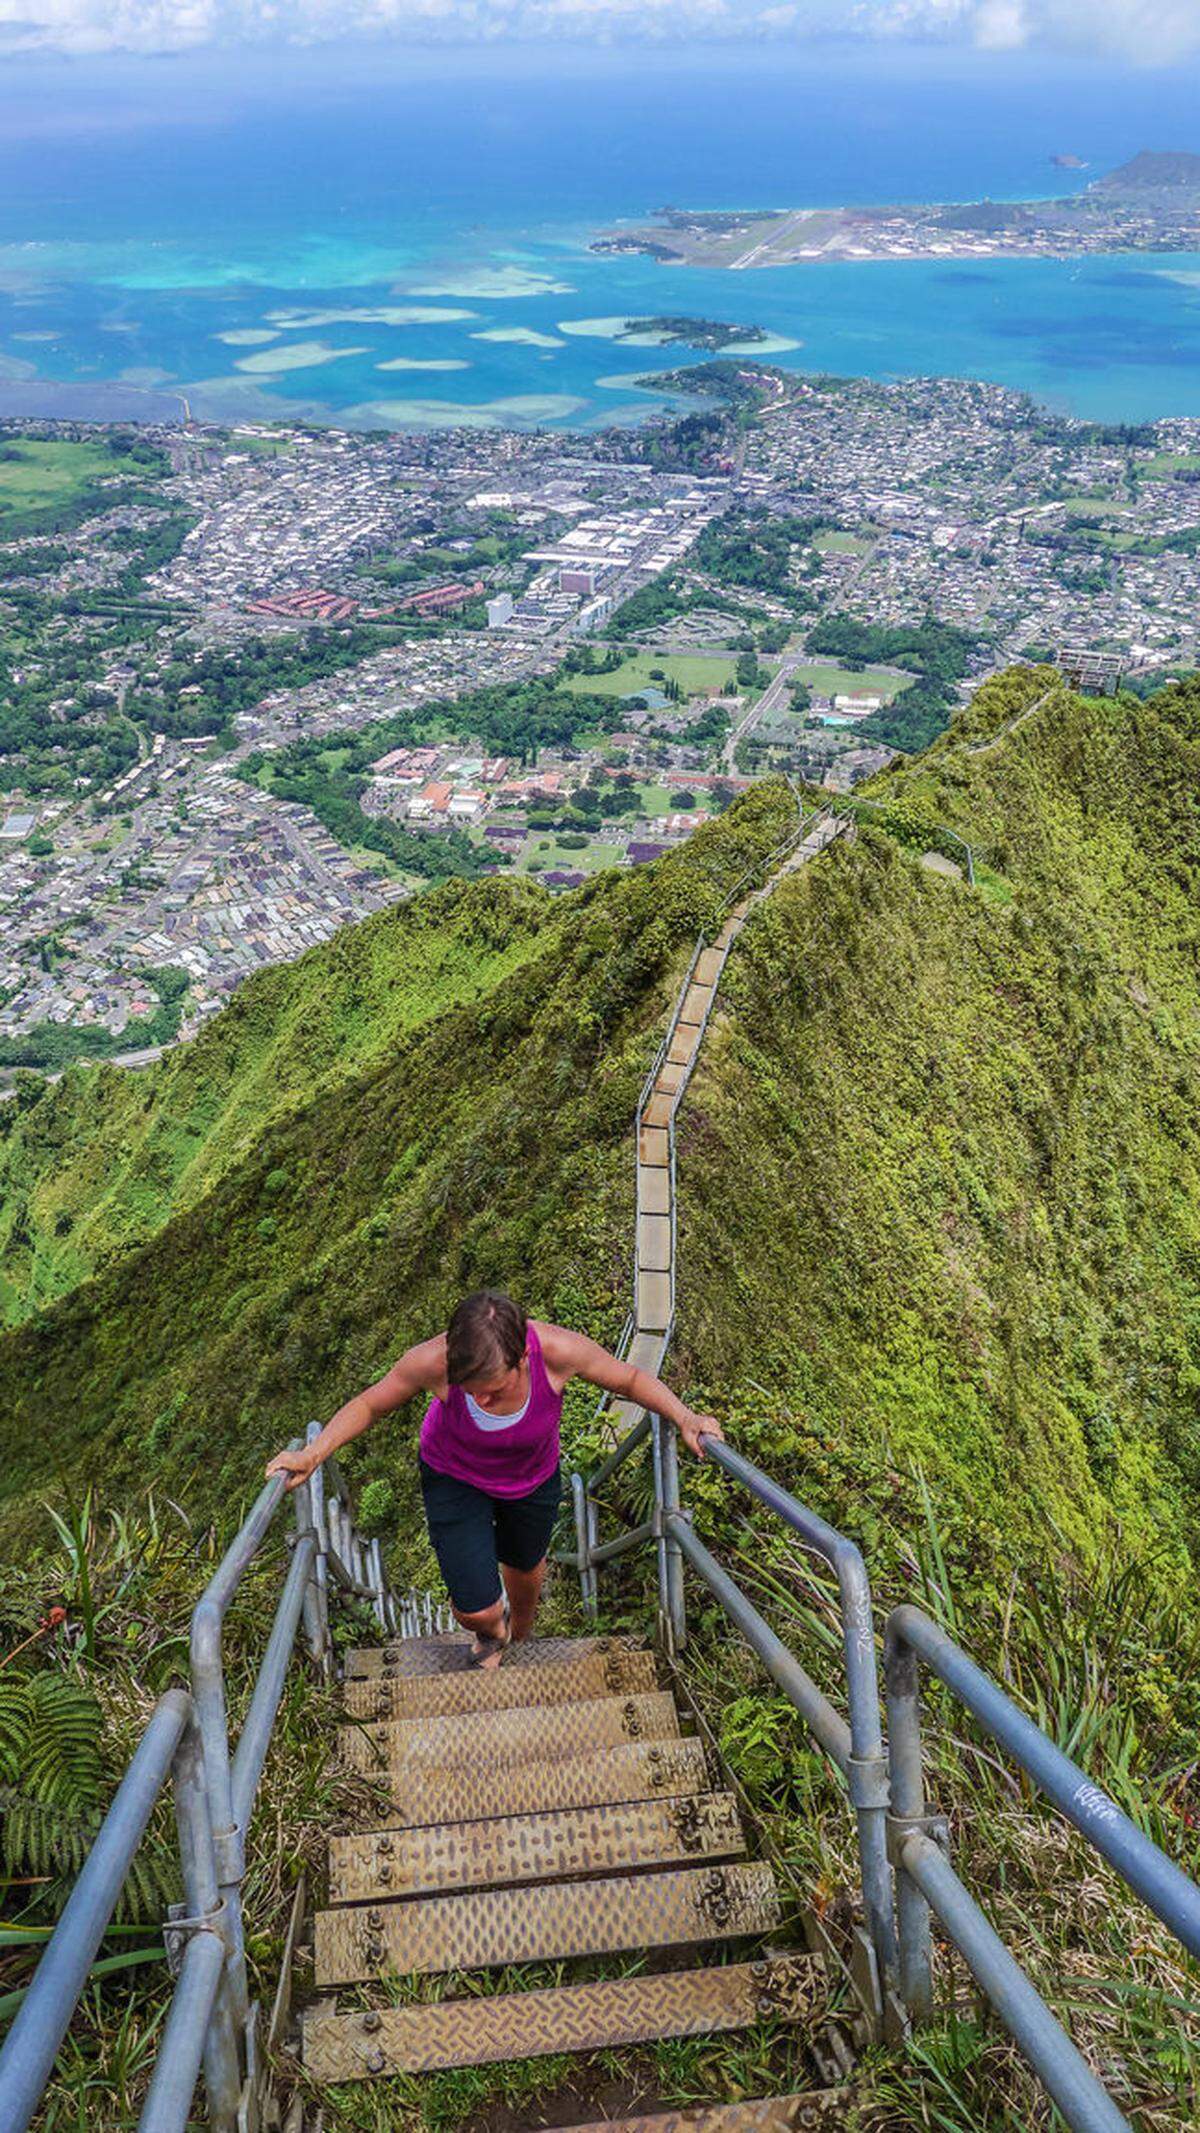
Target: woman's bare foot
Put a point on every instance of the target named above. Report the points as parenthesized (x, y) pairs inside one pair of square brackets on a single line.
[(487, 1652)]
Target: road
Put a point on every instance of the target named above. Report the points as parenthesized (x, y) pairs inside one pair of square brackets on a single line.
[(770, 700)]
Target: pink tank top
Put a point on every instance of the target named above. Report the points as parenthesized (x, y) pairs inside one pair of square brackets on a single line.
[(508, 1456)]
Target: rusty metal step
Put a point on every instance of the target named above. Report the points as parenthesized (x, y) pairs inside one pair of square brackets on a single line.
[(585, 1675), (697, 1001), (545, 1922), (495, 1739), (708, 967), (451, 1654), (759, 2114), (658, 1108), (643, 1770), (654, 1148), (565, 2018), (540, 1847)]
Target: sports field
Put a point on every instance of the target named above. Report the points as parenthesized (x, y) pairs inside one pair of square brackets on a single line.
[(693, 671), (37, 474)]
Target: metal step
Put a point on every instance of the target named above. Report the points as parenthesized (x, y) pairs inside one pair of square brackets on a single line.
[(451, 1654), (582, 1677), (511, 1848), (494, 1739), (463, 1792), (545, 1923), (760, 2114), (565, 2018)]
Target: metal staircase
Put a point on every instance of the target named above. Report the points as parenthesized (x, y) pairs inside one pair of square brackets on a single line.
[(557, 1811), (573, 1820)]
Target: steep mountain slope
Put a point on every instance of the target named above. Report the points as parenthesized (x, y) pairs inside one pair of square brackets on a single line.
[(94, 1169), (489, 1143), (940, 1171)]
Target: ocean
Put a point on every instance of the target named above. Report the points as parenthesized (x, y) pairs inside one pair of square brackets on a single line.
[(396, 238)]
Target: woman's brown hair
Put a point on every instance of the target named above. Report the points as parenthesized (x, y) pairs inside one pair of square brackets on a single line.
[(487, 1334)]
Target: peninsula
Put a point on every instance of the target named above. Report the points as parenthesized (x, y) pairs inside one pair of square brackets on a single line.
[(1151, 204)]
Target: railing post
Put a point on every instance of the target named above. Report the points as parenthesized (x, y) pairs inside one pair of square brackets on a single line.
[(587, 1574), (314, 1628), (902, 1679), (186, 2040), (316, 1499), (658, 1430), (676, 1609), (208, 1690)]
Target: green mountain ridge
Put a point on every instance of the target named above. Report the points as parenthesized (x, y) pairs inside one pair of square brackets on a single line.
[(103, 1160), (938, 1166)]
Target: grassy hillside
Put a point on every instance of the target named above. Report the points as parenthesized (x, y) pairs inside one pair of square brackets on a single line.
[(940, 1168), (487, 1141), (93, 1169)]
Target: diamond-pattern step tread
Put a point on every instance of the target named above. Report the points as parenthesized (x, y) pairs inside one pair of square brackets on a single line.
[(759, 2114), (466, 1792), (561, 2018), (513, 1848), (582, 1676), (451, 1654), (545, 1922), (499, 1738)]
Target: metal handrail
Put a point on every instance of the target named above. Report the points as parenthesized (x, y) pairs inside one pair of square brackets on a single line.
[(886, 1788), (210, 2021)]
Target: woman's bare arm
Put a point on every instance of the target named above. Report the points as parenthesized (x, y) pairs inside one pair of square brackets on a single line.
[(419, 1369), (573, 1355)]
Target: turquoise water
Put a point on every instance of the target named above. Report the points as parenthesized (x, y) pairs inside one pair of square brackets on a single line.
[(352, 239)]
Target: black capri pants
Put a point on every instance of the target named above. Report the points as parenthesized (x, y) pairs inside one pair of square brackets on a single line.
[(473, 1533)]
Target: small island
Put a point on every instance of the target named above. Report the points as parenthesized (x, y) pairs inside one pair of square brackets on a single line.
[(710, 334)]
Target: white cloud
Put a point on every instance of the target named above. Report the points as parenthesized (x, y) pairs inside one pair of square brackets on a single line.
[(1146, 31)]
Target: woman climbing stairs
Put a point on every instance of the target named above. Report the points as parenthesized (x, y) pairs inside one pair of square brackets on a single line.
[(547, 1811)]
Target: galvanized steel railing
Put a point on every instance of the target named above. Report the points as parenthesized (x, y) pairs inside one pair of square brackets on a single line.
[(896, 1837), (186, 1742)]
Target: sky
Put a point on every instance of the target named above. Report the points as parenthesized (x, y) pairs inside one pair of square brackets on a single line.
[(1144, 33)]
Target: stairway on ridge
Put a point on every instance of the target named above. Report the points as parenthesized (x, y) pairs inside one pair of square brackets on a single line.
[(550, 1811)]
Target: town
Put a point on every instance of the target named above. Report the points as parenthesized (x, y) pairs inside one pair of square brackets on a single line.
[(258, 682)]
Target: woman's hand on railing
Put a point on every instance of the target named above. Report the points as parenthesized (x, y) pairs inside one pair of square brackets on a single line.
[(296, 1465), (694, 1428)]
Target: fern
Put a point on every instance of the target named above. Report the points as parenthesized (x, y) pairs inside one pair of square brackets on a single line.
[(52, 1791)]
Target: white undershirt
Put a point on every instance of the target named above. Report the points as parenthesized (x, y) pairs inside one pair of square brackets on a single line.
[(483, 1420)]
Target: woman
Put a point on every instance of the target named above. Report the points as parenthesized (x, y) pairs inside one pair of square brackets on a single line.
[(489, 1450)]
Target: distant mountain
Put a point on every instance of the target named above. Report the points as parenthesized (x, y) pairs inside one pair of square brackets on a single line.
[(1154, 171)]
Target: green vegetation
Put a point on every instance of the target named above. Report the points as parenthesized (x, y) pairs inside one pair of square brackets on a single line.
[(693, 671), (515, 719), (108, 1157), (939, 1175), (939, 655), (753, 549), (50, 485), (54, 1045), (709, 333)]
